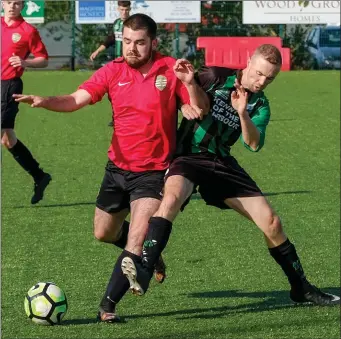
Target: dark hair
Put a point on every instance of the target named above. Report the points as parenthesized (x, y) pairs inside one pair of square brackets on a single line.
[(141, 21), (270, 53), (123, 3)]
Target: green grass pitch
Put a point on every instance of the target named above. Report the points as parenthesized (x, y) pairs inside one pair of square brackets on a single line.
[(221, 283)]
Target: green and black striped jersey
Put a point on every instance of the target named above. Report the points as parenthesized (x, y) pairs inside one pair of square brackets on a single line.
[(116, 39), (220, 129)]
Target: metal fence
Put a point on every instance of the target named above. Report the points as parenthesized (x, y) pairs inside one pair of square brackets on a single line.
[(70, 45)]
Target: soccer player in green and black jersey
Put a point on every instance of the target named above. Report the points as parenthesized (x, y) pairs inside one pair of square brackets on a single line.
[(116, 38), (239, 109)]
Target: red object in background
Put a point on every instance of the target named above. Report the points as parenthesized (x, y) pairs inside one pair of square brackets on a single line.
[(204, 21), (234, 52), (215, 20), (171, 27), (208, 4)]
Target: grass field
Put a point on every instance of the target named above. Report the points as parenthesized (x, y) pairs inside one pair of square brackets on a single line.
[(222, 283)]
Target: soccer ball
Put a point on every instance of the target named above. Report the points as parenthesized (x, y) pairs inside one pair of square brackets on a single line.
[(45, 303)]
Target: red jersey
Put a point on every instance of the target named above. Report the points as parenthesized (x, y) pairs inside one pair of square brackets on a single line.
[(20, 39), (144, 111)]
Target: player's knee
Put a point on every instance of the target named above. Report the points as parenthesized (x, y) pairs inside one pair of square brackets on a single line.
[(171, 203), (101, 235), (274, 228)]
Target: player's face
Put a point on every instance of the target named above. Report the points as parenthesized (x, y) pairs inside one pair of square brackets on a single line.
[(260, 73), (124, 12), (12, 9), (137, 47)]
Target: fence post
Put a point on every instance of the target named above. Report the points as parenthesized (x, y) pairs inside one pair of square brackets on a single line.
[(73, 35), (281, 31)]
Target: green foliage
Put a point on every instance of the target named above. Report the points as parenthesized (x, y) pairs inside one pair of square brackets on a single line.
[(300, 56)]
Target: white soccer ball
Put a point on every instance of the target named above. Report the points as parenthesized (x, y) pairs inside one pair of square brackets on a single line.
[(45, 304)]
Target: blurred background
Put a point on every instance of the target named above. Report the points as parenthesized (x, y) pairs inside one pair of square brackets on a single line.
[(70, 44)]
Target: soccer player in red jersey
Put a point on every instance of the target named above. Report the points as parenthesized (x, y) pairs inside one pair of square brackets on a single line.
[(144, 88), (18, 40)]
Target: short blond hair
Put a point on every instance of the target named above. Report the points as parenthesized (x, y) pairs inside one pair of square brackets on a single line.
[(270, 53)]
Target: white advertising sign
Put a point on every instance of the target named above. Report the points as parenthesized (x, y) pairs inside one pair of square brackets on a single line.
[(105, 12), (291, 12)]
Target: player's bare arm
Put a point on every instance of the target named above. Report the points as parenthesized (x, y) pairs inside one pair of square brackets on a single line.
[(184, 71), (38, 62), (100, 49), (239, 98), (63, 103)]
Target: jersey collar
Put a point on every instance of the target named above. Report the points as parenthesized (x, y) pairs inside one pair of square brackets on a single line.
[(17, 22)]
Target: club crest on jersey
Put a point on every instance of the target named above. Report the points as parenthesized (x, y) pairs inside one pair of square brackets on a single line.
[(16, 37), (161, 82)]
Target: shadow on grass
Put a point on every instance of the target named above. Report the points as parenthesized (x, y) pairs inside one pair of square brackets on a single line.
[(92, 203), (194, 197), (268, 301), (87, 321)]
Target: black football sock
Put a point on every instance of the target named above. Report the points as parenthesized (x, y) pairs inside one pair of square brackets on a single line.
[(122, 241), (25, 159), (118, 284), (156, 240), (286, 256)]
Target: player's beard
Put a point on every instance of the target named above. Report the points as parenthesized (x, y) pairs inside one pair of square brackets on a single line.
[(137, 63)]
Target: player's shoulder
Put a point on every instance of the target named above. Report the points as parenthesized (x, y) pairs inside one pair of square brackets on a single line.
[(112, 68), (28, 29), (214, 77), (164, 60), (117, 20)]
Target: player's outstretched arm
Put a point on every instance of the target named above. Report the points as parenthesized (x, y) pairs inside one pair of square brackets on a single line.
[(62, 103)]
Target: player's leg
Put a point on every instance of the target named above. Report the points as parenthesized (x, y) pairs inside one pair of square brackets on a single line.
[(258, 210), (176, 191), (114, 198), (145, 194), (9, 110), (141, 211), (233, 187), (110, 225), (112, 207)]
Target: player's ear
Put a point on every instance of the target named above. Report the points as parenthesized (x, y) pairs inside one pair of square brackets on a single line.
[(154, 44)]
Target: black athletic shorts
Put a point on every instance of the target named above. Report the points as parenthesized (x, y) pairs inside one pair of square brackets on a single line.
[(9, 107), (217, 179), (119, 187)]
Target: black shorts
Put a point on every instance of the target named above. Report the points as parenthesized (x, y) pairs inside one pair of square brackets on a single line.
[(119, 187), (9, 107), (218, 179)]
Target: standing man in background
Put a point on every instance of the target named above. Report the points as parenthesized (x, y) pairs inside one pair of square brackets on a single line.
[(18, 40), (116, 38)]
